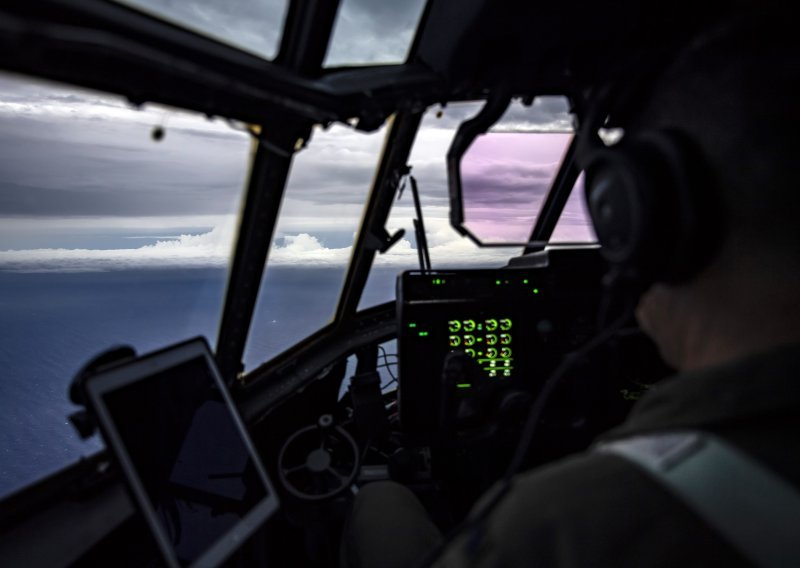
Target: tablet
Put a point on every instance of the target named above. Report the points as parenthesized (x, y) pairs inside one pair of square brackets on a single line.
[(187, 458)]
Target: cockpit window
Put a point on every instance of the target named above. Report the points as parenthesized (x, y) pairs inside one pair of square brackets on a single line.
[(320, 214), (575, 225), (505, 178), (507, 172), (253, 26), (369, 32), (447, 248), (115, 228)]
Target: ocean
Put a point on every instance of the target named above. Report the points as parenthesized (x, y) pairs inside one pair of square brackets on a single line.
[(52, 323)]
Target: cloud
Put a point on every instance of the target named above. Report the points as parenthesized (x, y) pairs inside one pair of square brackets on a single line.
[(545, 114), (253, 26), (73, 153), (575, 225), (367, 31), (69, 152), (78, 164), (307, 250), (337, 167), (213, 249)]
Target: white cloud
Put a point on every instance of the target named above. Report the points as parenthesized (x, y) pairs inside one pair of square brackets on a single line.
[(213, 249), (306, 250), (168, 224), (72, 106)]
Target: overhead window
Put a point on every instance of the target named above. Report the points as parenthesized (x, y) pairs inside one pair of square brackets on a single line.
[(251, 25), (368, 32)]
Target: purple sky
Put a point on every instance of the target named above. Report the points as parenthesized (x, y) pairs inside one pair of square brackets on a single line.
[(505, 178)]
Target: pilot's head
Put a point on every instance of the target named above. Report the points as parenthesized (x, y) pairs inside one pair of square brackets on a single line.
[(733, 95)]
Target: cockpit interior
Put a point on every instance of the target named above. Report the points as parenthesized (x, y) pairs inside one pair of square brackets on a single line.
[(426, 371)]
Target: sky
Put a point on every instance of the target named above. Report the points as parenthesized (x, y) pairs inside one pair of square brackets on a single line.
[(505, 177), (84, 186)]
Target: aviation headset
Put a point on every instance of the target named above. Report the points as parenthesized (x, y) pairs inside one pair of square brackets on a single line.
[(650, 199)]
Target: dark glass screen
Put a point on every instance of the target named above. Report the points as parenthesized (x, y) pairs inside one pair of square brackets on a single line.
[(189, 454)]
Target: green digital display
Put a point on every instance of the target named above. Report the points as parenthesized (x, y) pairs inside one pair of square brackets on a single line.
[(488, 341)]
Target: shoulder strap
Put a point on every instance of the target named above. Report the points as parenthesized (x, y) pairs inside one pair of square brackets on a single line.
[(756, 511)]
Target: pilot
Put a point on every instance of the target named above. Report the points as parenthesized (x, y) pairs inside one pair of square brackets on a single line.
[(726, 490)]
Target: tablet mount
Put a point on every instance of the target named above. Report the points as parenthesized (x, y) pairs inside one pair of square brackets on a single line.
[(82, 420)]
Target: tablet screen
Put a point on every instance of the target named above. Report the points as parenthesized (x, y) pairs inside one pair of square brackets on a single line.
[(186, 451)]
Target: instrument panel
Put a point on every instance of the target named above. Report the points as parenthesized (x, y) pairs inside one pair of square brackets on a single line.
[(510, 326)]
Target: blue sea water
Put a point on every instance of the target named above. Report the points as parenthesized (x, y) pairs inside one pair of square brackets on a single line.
[(52, 323)]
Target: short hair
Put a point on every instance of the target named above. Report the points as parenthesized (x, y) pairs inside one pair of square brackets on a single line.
[(734, 92)]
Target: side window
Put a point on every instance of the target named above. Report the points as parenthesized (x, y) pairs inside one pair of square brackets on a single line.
[(507, 172), (108, 236)]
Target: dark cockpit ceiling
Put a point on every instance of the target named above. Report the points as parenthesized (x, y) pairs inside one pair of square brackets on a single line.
[(557, 47), (526, 48)]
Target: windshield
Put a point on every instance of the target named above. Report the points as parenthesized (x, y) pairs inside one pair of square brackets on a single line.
[(115, 228), (313, 242)]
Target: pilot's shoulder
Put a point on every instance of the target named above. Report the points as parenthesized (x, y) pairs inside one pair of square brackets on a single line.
[(575, 494), (589, 510), (576, 483)]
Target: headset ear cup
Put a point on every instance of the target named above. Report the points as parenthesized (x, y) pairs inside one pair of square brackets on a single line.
[(649, 201), (618, 207)]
